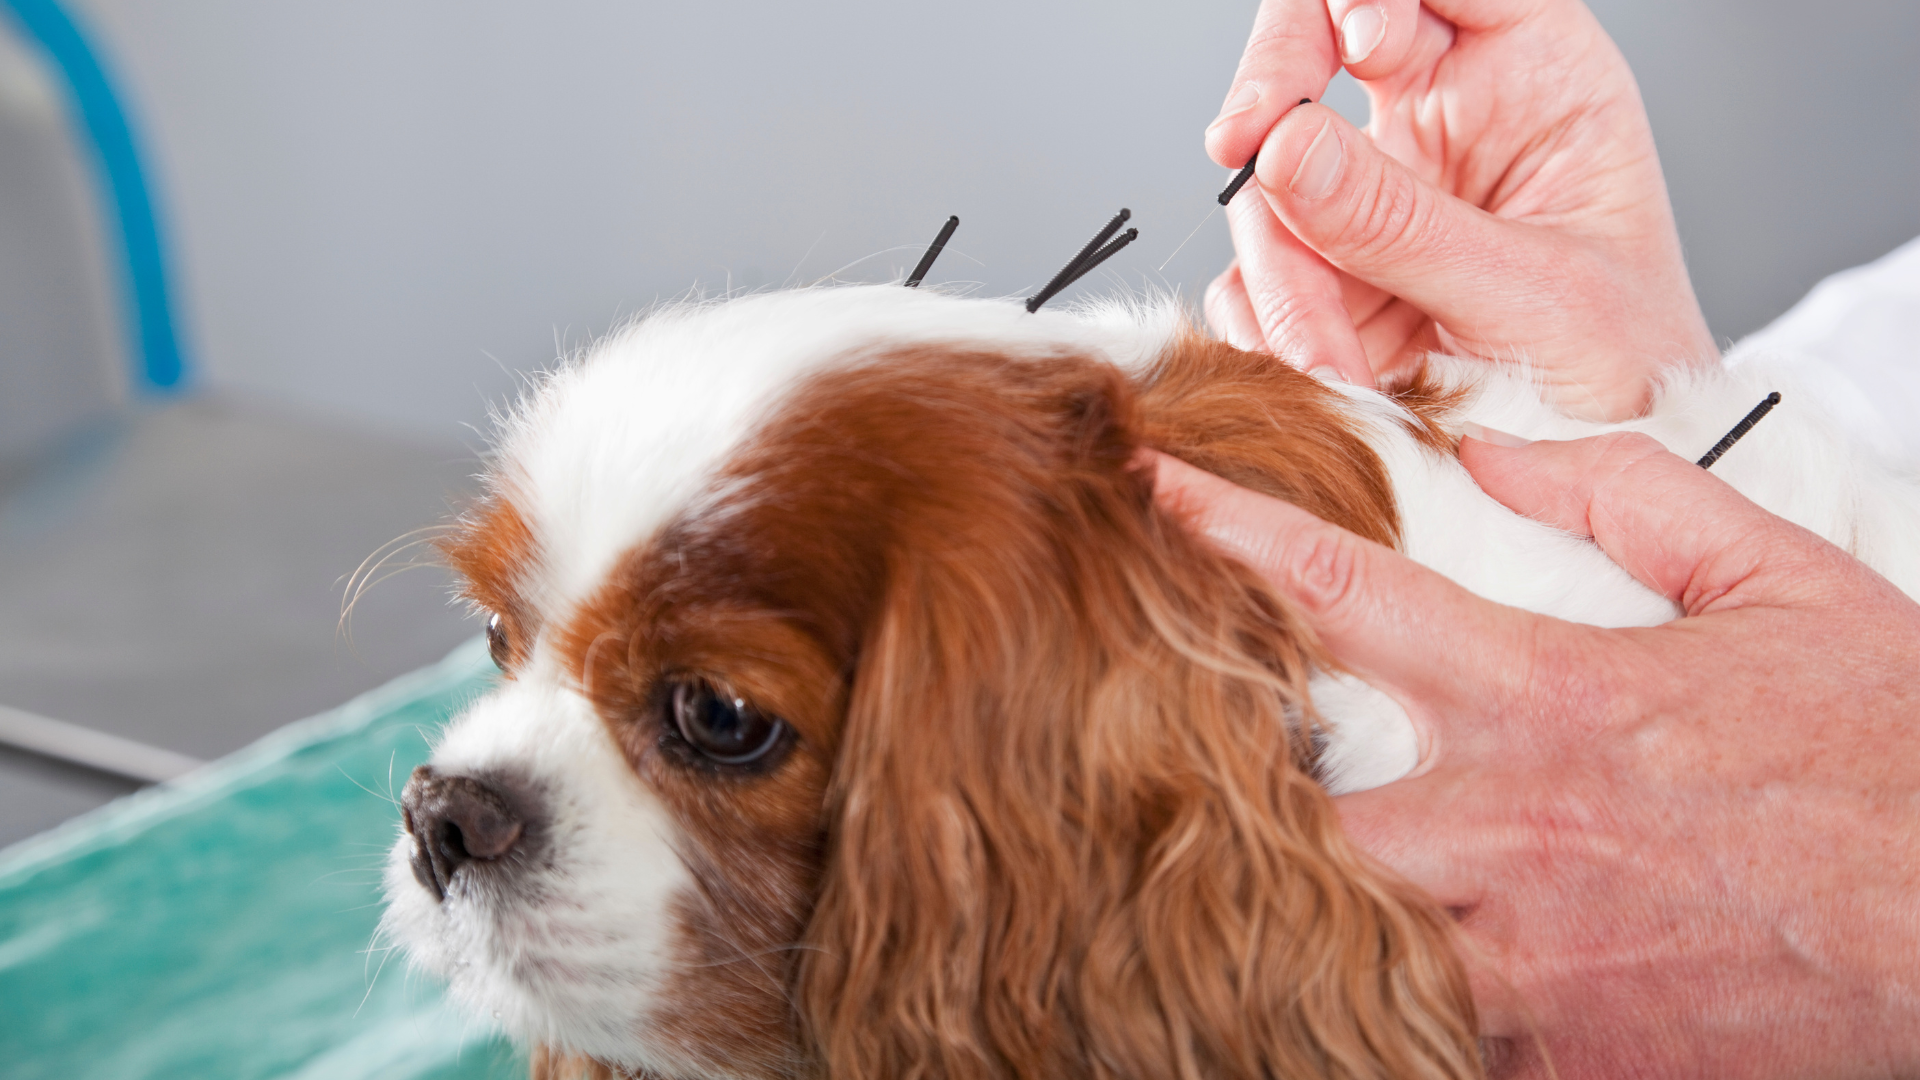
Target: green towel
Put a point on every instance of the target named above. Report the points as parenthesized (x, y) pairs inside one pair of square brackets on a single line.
[(221, 926)]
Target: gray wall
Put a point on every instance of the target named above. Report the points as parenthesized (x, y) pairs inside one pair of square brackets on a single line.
[(384, 209), (1790, 133)]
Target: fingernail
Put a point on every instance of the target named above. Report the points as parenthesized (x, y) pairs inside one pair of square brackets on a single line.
[(1492, 435), (1327, 373), (1361, 32), (1246, 97), (1320, 169)]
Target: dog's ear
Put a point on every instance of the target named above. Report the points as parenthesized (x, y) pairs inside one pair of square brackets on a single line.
[(1075, 831)]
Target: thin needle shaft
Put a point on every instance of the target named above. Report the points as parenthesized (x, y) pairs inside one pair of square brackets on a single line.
[(1739, 430), (1067, 275), (939, 245)]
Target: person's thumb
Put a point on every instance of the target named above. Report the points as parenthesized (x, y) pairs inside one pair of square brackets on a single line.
[(1371, 216), (1670, 523), (1379, 613)]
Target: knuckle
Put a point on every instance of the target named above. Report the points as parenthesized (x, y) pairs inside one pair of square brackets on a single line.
[(1219, 291), (1615, 469), (1214, 304), (1326, 571), (1293, 322), (1276, 40), (1282, 312), (1389, 216), (1627, 448)]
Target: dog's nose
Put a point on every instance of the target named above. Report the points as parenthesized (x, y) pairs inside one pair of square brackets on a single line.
[(455, 820)]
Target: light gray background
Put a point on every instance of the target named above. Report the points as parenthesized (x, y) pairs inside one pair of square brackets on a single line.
[(379, 205), (382, 212)]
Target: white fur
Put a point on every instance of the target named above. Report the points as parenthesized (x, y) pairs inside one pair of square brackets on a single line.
[(615, 443), (576, 954), (1797, 463)]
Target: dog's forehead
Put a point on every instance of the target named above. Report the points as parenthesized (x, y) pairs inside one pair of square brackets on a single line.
[(614, 445)]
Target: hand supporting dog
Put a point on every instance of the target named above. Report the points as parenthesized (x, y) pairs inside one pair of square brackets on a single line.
[(1679, 850), (1505, 201)]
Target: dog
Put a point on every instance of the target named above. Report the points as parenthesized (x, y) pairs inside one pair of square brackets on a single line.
[(863, 715)]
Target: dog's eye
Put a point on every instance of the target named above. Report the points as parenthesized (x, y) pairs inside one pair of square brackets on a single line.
[(722, 728), (497, 646)]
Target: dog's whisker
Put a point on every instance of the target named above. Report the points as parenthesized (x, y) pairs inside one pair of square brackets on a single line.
[(363, 576), (832, 274), (803, 260), (382, 797), (373, 982)]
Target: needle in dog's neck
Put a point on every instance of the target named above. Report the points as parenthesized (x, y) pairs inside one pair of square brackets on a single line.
[(1739, 430), (1190, 236), (1233, 188)]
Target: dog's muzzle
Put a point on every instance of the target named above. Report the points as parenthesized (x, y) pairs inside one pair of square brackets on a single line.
[(459, 823)]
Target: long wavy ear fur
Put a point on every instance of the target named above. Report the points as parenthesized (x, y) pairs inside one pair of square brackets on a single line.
[(1076, 830)]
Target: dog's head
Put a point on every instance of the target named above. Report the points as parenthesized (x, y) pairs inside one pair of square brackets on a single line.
[(864, 716)]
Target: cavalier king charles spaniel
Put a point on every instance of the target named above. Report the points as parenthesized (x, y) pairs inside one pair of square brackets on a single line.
[(864, 717)]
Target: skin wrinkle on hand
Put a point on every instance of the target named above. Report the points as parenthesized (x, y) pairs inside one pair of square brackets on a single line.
[(1297, 312), (1751, 849), (1759, 874)]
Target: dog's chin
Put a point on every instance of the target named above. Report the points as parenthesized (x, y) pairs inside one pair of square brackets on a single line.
[(537, 979), (566, 942)]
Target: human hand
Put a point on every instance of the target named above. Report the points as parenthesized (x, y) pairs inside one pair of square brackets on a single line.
[(1691, 849), (1508, 204)]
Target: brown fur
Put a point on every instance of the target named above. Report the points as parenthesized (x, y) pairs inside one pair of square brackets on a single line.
[(1265, 426), (490, 548), (1050, 812), (1431, 405)]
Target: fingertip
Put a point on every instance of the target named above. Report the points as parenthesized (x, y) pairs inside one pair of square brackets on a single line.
[(1679, 529), (1225, 280), (1177, 486), (1245, 524), (1191, 493), (1229, 312), (1374, 37), (1234, 135), (1552, 481), (1480, 433), (1294, 296), (1304, 157), (1341, 371), (1290, 54), (1316, 564), (1346, 368)]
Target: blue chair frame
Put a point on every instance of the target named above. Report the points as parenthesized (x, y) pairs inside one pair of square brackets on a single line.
[(159, 364)]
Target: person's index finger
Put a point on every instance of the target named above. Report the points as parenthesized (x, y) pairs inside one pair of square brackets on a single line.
[(1492, 15), (1294, 295), (1377, 612), (1676, 527), (1290, 55)]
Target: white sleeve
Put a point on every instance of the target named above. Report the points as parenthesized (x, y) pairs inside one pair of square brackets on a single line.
[(1856, 340)]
